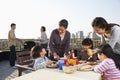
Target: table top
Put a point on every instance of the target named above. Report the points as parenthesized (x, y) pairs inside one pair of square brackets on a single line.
[(56, 74)]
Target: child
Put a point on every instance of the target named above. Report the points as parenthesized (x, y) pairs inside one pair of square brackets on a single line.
[(87, 44), (40, 60), (110, 66)]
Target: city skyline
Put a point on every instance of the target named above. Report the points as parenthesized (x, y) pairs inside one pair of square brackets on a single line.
[(30, 15), (80, 34)]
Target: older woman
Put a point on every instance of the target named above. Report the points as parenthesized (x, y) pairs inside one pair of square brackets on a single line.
[(60, 40), (109, 31)]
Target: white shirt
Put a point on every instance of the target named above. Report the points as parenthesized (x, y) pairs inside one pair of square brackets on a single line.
[(114, 40), (43, 38)]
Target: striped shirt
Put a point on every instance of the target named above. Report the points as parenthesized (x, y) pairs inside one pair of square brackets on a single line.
[(108, 68)]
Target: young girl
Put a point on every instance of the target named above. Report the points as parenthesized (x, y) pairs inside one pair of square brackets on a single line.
[(110, 66), (40, 60), (83, 54)]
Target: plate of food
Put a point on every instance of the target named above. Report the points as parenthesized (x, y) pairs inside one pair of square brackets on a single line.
[(91, 63), (82, 61), (53, 65), (83, 67)]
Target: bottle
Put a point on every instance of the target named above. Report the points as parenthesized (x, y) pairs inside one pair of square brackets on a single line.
[(72, 53), (68, 55), (72, 56)]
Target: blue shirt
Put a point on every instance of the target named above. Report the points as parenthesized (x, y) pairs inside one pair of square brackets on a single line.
[(40, 63)]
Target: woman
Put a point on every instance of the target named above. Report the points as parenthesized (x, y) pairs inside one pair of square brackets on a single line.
[(60, 40), (109, 31), (43, 38)]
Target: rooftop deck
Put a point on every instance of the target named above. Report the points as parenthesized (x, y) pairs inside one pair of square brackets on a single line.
[(7, 72)]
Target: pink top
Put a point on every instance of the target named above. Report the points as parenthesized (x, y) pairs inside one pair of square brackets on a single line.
[(108, 68)]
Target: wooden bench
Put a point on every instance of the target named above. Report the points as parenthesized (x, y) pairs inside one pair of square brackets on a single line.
[(24, 61)]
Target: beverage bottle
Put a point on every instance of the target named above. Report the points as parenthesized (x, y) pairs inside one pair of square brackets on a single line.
[(72, 53)]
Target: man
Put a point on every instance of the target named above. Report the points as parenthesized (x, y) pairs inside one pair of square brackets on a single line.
[(12, 43)]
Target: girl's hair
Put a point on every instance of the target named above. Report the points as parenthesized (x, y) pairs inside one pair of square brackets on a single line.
[(44, 29), (35, 51), (107, 51), (102, 23), (88, 42)]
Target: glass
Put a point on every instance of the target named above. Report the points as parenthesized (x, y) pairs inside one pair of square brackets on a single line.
[(61, 64), (89, 52)]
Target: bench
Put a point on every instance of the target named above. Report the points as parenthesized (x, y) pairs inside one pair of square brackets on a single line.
[(24, 61)]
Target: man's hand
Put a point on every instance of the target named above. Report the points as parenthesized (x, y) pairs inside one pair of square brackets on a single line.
[(20, 40)]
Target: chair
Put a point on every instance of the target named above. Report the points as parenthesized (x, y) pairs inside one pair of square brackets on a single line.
[(24, 61)]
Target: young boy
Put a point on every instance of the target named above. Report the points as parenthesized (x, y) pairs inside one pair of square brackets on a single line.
[(83, 54)]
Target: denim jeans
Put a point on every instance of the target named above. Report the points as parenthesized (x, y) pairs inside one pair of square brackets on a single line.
[(12, 55)]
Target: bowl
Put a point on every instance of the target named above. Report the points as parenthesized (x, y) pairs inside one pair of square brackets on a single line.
[(68, 69)]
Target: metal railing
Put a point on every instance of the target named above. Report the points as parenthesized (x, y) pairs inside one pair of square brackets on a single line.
[(75, 43), (19, 46)]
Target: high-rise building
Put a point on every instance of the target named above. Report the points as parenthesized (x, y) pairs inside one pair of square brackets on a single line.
[(94, 35), (72, 35), (79, 34), (89, 35)]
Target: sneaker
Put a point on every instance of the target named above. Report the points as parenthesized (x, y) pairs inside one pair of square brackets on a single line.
[(14, 67)]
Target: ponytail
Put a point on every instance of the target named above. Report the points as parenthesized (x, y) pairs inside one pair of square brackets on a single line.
[(110, 25), (117, 60), (107, 51)]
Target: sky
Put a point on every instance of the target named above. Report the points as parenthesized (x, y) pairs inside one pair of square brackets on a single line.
[(30, 15)]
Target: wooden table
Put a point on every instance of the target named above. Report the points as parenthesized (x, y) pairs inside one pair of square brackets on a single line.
[(56, 74)]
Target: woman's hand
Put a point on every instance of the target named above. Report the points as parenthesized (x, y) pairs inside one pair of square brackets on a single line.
[(67, 56), (56, 56), (95, 50)]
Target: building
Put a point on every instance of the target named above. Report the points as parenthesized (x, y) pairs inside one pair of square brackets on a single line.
[(79, 34), (92, 35), (72, 35)]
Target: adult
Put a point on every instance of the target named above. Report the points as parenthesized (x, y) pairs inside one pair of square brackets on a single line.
[(110, 31), (60, 40), (43, 37), (12, 43)]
